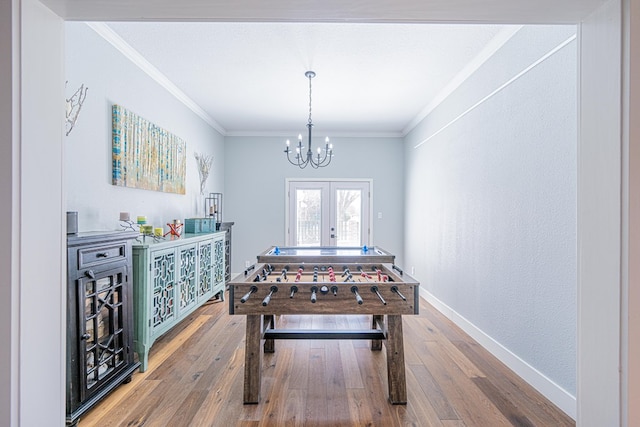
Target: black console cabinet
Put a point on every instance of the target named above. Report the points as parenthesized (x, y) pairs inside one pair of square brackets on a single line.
[(100, 352)]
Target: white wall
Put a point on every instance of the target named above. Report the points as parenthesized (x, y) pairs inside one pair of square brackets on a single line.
[(114, 79), (9, 143), (254, 196), (40, 230), (491, 208), (599, 213)]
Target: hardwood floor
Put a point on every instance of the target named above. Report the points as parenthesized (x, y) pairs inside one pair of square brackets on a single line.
[(195, 378)]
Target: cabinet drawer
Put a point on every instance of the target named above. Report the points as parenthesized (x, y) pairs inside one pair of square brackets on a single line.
[(96, 255)]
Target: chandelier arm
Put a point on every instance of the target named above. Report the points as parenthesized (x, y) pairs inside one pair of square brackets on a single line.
[(303, 163), (299, 162), (289, 158)]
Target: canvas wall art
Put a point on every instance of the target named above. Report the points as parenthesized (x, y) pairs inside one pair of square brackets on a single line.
[(145, 155)]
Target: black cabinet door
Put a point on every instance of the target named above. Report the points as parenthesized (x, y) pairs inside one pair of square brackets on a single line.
[(104, 341)]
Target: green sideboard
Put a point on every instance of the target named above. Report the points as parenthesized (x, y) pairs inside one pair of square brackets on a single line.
[(171, 278)]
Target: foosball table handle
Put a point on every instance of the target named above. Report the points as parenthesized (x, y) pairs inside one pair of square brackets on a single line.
[(395, 290), (314, 290), (246, 296), (294, 289), (375, 290), (354, 289), (248, 269), (266, 299), (395, 267)]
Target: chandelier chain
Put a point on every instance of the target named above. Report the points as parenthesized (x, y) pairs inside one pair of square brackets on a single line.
[(310, 100)]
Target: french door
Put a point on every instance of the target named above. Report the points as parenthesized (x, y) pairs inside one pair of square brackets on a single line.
[(328, 213)]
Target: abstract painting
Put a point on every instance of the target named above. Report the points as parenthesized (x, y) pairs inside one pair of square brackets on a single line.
[(145, 155)]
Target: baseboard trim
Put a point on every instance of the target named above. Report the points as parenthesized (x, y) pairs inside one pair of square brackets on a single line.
[(556, 394)]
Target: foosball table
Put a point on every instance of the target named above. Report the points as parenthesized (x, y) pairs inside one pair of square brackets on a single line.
[(379, 289)]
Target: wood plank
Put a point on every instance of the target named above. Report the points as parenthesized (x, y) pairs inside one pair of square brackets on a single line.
[(253, 359), (224, 400), (433, 393), (418, 407), (508, 409), (196, 378), (158, 355), (316, 407), (344, 303), (350, 369), (395, 360), (337, 395), (377, 321), (359, 408), (111, 415), (276, 400), (469, 402), (518, 391), (372, 366)]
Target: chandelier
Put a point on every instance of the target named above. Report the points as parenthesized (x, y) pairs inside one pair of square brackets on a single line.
[(322, 157)]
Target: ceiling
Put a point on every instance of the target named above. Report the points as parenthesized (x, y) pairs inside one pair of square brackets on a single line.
[(381, 66), (250, 77)]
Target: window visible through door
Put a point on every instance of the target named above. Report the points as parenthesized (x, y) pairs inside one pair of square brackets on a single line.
[(328, 213)]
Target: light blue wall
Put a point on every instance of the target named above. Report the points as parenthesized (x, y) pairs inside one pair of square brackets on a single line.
[(490, 205), (254, 196), (114, 79), (484, 211)]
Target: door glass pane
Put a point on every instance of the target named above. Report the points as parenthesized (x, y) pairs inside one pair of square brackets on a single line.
[(309, 215), (348, 217)]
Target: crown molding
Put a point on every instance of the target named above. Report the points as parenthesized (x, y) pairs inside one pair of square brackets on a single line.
[(104, 31), (292, 135), (487, 52)]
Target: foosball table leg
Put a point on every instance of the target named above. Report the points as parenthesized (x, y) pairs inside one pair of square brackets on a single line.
[(269, 344), (376, 320), (253, 359), (395, 361)]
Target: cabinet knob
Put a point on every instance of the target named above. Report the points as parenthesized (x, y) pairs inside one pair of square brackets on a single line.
[(90, 274), (85, 336)]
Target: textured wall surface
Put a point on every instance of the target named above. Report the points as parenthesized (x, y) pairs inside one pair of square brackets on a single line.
[(491, 202), (114, 79), (255, 189)]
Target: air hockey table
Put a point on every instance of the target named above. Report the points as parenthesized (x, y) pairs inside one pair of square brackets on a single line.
[(325, 254), (324, 284)]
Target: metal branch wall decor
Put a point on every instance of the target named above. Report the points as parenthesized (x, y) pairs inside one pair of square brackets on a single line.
[(145, 155), (73, 105), (204, 167)]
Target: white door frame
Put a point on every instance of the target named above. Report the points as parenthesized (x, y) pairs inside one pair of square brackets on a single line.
[(287, 215)]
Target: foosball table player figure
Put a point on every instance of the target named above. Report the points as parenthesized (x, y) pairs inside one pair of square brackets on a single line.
[(381, 290)]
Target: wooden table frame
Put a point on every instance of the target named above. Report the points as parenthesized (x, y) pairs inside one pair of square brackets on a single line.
[(260, 328)]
